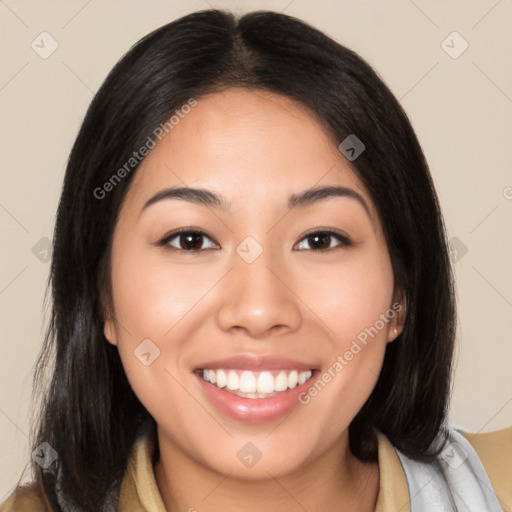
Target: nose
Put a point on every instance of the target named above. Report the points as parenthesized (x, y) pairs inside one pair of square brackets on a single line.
[(258, 298)]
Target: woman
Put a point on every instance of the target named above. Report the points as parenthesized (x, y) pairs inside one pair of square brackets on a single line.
[(252, 297)]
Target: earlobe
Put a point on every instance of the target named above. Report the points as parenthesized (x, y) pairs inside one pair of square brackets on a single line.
[(395, 332), (109, 327), (109, 330), (396, 326)]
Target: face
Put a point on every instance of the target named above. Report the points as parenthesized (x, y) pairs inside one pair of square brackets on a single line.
[(265, 319)]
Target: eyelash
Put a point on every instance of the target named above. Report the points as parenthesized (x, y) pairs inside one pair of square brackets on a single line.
[(164, 242)]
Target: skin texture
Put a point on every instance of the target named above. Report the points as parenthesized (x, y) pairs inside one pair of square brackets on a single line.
[(256, 149)]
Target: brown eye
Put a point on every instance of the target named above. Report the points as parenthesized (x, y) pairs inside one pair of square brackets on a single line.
[(187, 241), (323, 241)]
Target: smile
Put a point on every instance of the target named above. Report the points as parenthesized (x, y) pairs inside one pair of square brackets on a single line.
[(253, 388), (255, 385)]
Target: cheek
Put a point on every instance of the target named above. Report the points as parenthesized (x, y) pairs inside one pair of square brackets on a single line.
[(352, 295), (154, 301), (350, 300), (153, 295)]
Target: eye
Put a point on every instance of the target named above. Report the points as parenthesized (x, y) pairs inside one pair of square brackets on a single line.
[(186, 240), (192, 240), (322, 241)]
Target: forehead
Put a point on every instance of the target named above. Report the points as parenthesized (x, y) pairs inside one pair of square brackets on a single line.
[(250, 146)]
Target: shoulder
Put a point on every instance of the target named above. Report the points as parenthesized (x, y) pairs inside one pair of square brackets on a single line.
[(494, 449), (26, 497)]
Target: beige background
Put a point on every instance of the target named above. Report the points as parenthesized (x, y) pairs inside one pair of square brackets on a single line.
[(460, 107)]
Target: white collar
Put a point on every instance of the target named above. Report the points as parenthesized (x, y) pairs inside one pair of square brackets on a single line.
[(455, 481)]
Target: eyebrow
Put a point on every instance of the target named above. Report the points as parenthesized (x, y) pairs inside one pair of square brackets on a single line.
[(211, 199)]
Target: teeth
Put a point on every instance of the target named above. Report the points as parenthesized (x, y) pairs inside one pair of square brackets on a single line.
[(233, 381), (256, 384), (247, 382), (265, 383), (293, 378), (222, 380), (281, 382)]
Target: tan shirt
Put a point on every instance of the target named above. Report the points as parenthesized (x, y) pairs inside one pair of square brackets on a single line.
[(139, 491)]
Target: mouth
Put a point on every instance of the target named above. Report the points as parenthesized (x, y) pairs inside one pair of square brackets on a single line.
[(253, 389), (255, 385)]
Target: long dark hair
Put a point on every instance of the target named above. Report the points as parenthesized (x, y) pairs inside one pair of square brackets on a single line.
[(89, 414)]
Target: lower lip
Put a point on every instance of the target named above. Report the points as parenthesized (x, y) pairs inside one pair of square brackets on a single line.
[(254, 410)]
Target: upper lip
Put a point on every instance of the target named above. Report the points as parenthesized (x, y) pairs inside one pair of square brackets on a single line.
[(255, 363)]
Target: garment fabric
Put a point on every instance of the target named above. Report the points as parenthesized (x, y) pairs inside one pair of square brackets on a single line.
[(473, 473)]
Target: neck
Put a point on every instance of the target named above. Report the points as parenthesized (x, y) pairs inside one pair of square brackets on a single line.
[(334, 481)]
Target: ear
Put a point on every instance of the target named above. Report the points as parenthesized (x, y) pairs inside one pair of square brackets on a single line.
[(396, 323), (109, 328)]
